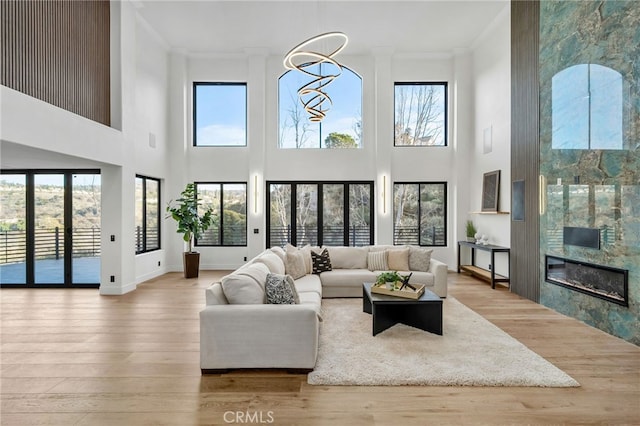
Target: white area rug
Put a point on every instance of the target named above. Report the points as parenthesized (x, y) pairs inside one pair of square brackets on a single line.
[(472, 352)]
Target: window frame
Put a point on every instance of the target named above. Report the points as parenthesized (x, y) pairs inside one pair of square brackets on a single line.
[(194, 111), (445, 125), (419, 213), (221, 210), (144, 215), (320, 202)]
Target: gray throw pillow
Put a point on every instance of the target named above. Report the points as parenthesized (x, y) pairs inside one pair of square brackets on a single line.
[(280, 290)]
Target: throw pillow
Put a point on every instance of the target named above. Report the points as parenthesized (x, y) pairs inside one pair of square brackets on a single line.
[(419, 259), (246, 285), (294, 264), (348, 257), (377, 261), (279, 290), (306, 255), (321, 261), (398, 260)]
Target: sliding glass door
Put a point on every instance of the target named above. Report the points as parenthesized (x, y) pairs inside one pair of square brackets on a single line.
[(50, 228)]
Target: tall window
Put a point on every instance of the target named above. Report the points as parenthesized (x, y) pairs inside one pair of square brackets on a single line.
[(420, 114), (229, 203), (317, 213), (342, 126), (219, 114), (147, 214), (420, 213)]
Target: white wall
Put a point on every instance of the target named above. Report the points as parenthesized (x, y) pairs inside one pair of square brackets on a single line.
[(491, 63), (262, 158)]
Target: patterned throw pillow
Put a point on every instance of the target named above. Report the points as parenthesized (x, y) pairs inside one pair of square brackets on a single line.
[(321, 262), (377, 261), (280, 290)]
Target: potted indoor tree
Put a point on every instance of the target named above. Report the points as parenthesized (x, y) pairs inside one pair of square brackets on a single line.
[(184, 210)]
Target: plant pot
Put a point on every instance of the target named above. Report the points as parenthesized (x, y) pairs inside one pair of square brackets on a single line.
[(191, 263), (471, 239)]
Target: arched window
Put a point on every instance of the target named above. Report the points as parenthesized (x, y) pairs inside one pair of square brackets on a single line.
[(342, 126), (587, 108)]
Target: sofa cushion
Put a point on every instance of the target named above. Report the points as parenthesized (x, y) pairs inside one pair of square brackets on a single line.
[(294, 264), (246, 285), (347, 278), (398, 260), (419, 259), (280, 290), (214, 295), (278, 251), (348, 257), (321, 261), (309, 283), (377, 261), (273, 262)]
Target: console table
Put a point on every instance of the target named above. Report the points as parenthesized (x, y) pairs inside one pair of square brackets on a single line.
[(490, 274)]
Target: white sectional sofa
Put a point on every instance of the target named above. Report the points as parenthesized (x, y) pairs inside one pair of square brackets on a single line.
[(238, 329)]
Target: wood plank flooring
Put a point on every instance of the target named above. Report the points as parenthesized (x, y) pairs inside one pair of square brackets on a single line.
[(73, 357)]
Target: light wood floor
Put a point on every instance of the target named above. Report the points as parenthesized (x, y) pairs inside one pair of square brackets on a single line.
[(74, 357)]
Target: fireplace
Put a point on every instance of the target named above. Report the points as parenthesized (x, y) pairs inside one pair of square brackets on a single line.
[(605, 282)]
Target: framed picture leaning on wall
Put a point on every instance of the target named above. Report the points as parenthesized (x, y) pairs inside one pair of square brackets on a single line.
[(491, 191)]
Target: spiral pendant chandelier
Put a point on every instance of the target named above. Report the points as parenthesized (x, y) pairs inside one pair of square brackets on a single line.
[(307, 58)]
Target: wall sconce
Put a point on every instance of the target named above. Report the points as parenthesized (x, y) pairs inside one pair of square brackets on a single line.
[(384, 194), (255, 194)]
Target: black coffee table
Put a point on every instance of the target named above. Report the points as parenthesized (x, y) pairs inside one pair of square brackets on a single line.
[(424, 313)]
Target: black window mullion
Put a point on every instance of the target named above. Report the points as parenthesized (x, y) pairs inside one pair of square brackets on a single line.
[(320, 213), (144, 214), (420, 214), (221, 227), (372, 205), (294, 216), (68, 228), (30, 230), (346, 207)]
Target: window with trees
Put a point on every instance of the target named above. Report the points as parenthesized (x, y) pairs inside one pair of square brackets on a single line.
[(219, 114), (320, 213), (229, 203), (420, 213), (147, 214), (342, 126), (420, 114)]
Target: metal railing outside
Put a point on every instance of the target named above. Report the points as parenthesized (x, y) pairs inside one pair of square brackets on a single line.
[(331, 235), (48, 244), (411, 235)]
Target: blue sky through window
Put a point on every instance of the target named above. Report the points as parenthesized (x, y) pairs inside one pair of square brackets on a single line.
[(342, 116), (220, 114)]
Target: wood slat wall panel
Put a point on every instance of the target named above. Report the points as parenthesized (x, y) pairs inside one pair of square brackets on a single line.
[(525, 143), (59, 52)]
